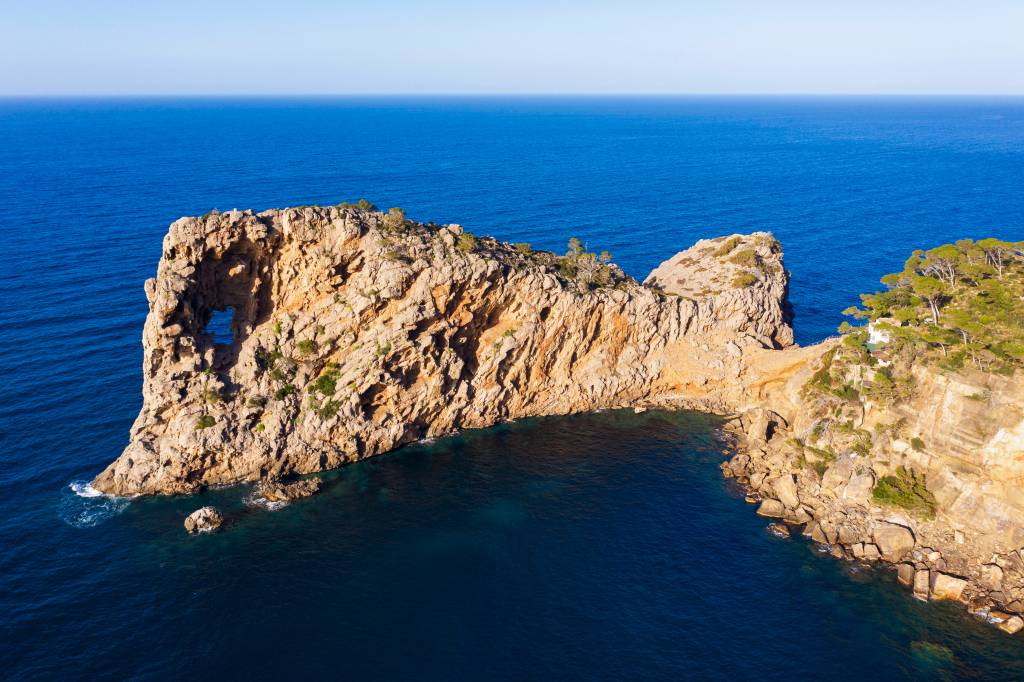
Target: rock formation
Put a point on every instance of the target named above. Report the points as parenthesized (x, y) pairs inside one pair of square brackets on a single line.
[(818, 464), (203, 520), (355, 332)]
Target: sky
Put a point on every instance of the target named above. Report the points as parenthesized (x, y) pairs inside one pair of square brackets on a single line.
[(228, 47)]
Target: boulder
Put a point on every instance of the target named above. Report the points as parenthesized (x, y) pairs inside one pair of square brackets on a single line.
[(739, 463), (811, 530), (992, 576), (905, 574), (945, 586), (858, 490), (838, 473), (204, 520), (797, 517), (779, 530), (1012, 625), (921, 584), (762, 424), (848, 535), (893, 541), (276, 491), (785, 489), (871, 552), (771, 508)]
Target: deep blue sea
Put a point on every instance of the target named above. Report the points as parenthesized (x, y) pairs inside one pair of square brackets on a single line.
[(592, 547)]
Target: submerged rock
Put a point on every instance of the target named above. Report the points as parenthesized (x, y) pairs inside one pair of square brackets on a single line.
[(276, 491), (204, 520)]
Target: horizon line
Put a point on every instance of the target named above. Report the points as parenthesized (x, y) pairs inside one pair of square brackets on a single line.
[(154, 95)]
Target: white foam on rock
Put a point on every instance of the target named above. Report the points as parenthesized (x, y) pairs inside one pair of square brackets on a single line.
[(254, 499)]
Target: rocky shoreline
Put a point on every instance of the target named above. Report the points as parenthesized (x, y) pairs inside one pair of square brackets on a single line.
[(355, 331), (835, 511)]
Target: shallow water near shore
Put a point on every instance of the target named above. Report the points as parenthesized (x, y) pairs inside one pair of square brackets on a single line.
[(588, 547)]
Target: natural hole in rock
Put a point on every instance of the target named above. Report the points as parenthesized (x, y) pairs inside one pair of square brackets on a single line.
[(219, 326)]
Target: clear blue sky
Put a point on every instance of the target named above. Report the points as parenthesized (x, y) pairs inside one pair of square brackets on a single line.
[(528, 46)]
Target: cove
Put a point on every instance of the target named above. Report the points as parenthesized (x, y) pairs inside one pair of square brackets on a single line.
[(600, 546)]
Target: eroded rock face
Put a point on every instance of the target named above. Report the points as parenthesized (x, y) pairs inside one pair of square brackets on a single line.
[(969, 546), (355, 332)]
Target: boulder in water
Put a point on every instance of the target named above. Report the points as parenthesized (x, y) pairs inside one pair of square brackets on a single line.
[(1012, 625), (772, 508), (276, 491), (945, 586), (204, 520)]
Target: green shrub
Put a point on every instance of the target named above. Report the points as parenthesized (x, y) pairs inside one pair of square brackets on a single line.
[(747, 258), (325, 384), (395, 220), (284, 391), (905, 490), (205, 422), (257, 401), (328, 409), (726, 248), (523, 248), (260, 428), (306, 346), (917, 444), (466, 242), (847, 392), (743, 280), (365, 205)]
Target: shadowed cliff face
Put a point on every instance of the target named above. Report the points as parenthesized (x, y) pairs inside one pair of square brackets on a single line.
[(355, 332)]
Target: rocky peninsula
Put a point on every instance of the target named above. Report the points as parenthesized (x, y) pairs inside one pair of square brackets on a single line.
[(355, 331)]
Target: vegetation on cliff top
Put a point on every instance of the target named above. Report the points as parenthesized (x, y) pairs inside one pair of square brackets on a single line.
[(954, 304), (580, 267)]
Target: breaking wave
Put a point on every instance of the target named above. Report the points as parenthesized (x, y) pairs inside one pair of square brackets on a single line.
[(82, 506)]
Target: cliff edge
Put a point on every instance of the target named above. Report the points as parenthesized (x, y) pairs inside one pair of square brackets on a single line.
[(354, 332)]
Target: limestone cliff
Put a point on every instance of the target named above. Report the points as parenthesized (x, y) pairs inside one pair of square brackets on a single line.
[(955, 448), (354, 332)]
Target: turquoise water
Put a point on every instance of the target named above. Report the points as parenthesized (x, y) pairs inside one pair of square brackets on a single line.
[(590, 547)]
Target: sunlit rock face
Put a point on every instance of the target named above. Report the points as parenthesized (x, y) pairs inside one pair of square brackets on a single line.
[(354, 332)]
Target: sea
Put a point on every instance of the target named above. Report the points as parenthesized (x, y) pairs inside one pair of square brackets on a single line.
[(589, 547)]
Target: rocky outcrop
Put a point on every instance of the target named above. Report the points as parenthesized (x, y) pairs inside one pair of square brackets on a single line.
[(276, 491), (354, 332), (961, 436), (204, 520)]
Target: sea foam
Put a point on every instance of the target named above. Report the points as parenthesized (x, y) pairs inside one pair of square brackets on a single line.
[(82, 506)]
